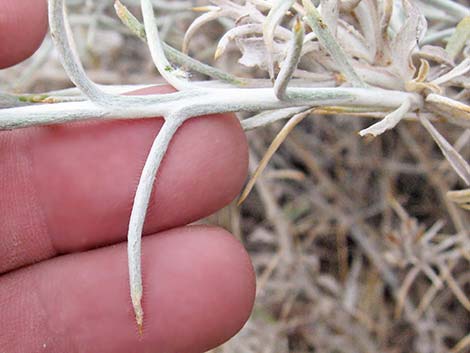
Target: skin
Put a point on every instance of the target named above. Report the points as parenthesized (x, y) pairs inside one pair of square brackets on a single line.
[(66, 196), (23, 25)]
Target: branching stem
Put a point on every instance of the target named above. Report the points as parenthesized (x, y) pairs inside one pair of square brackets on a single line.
[(287, 99), (196, 102)]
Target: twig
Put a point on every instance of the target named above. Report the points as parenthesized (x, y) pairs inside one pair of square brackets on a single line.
[(139, 210)]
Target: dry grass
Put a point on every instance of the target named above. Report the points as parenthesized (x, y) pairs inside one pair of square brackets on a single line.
[(356, 247)]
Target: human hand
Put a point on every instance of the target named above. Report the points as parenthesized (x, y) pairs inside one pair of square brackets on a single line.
[(66, 194)]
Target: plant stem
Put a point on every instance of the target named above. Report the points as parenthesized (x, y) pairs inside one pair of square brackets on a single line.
[(196, 102), (291, 62), (63, 40), (139, 211), (156, 49)]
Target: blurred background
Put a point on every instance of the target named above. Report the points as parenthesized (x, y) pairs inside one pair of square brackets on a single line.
[(355, 244)]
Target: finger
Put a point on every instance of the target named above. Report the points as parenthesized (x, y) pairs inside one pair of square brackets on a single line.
[(71, 188), (23, 25), (198, 292)]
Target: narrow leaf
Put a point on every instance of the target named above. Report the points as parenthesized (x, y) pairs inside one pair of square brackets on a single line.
[(460, 197), (455, 111), (278, 140), (459, 70), (198, 23), (138, 29), (129, 20), (292, 60), (459, 38), (457, 162), (325, 37), (156, 48), (329, 10), (273, 19), (65, 44), (407, 40), (269, 117), (389, 122)]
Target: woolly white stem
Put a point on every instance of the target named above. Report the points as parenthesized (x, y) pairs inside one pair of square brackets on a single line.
[(269, 117), (291, 62), (248, 29), (275, 15), (460, 165), (139, 211), (48, 114), (63, 40), (459, 70), (174, 55), (389, 122), (196, 102), (156, 48)]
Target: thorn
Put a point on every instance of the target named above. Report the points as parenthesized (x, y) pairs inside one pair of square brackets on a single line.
[(298, 25), (218, 53), (139, 317), (120, 9), (139, 313), (204, 8)]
